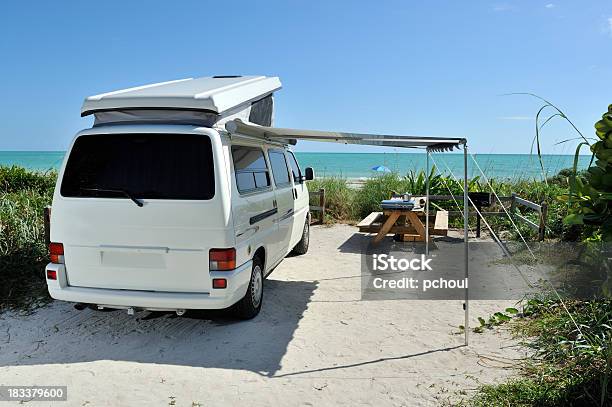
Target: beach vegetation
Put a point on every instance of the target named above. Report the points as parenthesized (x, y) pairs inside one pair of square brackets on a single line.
[(23, 253), (16, 179), (346, 203), (571, 358), (339, 198), (590, 194), (571, 363)]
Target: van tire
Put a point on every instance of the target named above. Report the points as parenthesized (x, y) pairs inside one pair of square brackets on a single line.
[(302, 246), (248, 307)]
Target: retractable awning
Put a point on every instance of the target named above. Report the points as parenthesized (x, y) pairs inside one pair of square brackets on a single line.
[(431, 144), (289, 136)]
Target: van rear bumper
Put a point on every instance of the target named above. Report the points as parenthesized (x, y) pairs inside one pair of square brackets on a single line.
[(237, 284)]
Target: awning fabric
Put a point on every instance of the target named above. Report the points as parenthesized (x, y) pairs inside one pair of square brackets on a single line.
[(289, 136)]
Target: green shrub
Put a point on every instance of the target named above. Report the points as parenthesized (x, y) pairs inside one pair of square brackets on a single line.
[(14, 179), (590, 192), (563, 177)]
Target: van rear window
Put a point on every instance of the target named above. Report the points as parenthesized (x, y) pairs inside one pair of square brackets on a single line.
[(147, 166)]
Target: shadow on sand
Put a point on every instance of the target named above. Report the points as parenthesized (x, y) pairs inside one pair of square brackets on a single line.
[(61, 334)]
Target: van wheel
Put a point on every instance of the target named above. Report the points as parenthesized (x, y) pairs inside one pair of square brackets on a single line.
[(302, 246), (248, 307)]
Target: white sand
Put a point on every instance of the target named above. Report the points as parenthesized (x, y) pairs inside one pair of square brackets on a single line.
[(314, 343)]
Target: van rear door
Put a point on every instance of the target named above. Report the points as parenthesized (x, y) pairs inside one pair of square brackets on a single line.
[(140, 212)]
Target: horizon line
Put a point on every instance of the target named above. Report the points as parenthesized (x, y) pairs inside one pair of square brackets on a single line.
[(337, 152)]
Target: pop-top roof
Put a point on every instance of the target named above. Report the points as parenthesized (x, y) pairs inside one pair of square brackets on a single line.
[(216, 94)]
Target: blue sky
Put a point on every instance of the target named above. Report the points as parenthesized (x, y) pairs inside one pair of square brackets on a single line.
[(405, 67)]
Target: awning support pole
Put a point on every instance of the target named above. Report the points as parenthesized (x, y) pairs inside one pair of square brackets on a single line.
[(427, 204), (465, 239)]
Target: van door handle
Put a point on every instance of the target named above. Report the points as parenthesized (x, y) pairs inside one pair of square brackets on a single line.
[(274, 203)]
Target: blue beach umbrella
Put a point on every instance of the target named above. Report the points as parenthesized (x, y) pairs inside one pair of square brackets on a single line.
[(381, 168)]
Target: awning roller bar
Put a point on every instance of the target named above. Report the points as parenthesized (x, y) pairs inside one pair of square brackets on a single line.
[(290, 135)]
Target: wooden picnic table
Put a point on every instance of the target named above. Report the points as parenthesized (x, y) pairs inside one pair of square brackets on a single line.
[(408, 223)]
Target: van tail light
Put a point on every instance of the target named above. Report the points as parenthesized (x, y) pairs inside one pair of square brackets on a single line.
[(51, 275), (222, 259), (57, 252)]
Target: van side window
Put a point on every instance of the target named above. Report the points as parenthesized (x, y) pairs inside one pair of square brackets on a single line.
[(280, 172), (295, 168), (251, 168)]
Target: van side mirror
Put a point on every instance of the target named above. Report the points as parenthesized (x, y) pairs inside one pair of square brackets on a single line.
[(309, 174)]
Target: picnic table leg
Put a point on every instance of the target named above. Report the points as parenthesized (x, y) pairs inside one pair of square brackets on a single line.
[(417, 224), (386, 227)]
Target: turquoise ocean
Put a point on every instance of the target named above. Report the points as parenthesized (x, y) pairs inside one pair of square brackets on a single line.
[(359, 165)]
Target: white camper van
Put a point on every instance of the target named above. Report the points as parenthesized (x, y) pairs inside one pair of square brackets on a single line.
[(159, 207)]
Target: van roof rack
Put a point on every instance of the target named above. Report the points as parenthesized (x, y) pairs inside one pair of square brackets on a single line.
[(216, 94)]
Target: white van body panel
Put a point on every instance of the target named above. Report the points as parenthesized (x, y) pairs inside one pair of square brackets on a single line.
[(118, 254)]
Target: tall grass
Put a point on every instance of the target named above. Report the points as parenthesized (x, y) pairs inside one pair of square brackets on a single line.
[(339, 198), (23, 255), (375, 190)]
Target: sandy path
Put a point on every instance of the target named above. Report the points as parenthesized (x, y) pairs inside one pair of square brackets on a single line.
[(315, 343)]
